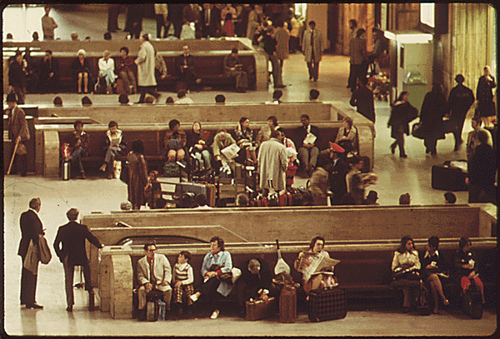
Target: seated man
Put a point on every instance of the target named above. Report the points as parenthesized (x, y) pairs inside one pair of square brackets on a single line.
[(222, 140), (233, 68), (154, 274), (124, 69), (216, 272), (254, 283), (48, 74), (185, 68), (308, 138), (78, 144), (265, 132), (113, 144)]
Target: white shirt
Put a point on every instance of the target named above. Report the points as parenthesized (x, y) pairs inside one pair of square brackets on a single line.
[(184, 100), (106, 65)]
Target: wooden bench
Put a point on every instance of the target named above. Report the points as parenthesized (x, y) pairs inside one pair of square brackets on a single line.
[(153, 136), (364, 270)]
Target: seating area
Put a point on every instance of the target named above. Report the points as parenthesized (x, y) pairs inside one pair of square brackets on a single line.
[(364, 269)]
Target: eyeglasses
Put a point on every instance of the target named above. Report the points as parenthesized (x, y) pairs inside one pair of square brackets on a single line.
[(152, 250)]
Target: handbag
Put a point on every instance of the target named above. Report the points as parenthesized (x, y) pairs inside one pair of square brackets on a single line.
[(417, 130), (124, 172), (423, 304), (224, 276)]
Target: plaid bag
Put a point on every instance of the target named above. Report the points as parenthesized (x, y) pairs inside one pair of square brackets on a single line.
[(327, 304)]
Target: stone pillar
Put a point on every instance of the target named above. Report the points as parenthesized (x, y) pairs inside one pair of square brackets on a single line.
[(121, 284), (50, 154)]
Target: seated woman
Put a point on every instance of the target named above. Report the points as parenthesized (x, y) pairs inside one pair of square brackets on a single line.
[(107, 70), (216, 273), (405, 268), (265, 132), (198, 147), (113, 144), (254, 283), (346, 136), (465, 266), (222, 140), (317, 281), (244, 139), (175, 149), (432, 265), (81, 72)]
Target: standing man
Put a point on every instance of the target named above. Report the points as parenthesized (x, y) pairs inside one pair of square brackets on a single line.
[(282, 42), (70, 248), (338, 184), (185, 66), (472, 137), (482, 168), (48, 25), (459, 102), (146, 68), (17, 78), (18, 133), (210, 17), (48, 72), (233, 68), (154, 274), (31, 228), (161, 15), (312, 49), (254, 21), (358, 60), (273, 163), (308, 138), (270, 43), (362, 98)]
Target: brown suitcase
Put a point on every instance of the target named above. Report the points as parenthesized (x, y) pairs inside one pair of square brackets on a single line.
[(256, 310), (288, 304), (211, 194)]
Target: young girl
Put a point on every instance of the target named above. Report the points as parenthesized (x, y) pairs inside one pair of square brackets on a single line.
[(182, 280), (228, 26)]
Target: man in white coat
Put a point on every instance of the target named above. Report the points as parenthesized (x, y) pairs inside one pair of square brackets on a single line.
[(154, 273), (312, 49), (146, 68), (273, 162)]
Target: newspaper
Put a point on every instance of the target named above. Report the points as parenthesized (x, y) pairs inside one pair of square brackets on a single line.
[(231, 151), (310, 138), (311, 264)]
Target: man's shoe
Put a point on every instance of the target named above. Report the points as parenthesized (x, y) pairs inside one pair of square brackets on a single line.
[(34, 306), (194, 297), (280, 86), (69, 308), (393, 148), (215, 315)]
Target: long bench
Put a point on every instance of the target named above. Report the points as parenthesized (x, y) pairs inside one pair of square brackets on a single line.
[(364, 270), (288, 224), (327, 116), (209, 58)]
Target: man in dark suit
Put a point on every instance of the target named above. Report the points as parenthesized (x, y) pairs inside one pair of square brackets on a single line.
[(72, 253), (48, 72), (185, 67), (338, 184), (210, 21), (308, 151), (31, 228)]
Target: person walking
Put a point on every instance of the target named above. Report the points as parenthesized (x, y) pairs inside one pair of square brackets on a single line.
[(146, 68), (358, 59), (31, 228), (312, 49), (401, 114), (460, 100), (485, 104), (70, 248), (282, 42), (431, 117)]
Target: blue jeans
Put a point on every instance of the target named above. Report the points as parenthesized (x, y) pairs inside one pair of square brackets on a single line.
[(77, 155), (111, 154), (109, 75), (205, 155)]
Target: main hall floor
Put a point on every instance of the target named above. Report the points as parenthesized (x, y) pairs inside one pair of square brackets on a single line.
[(395, 176)]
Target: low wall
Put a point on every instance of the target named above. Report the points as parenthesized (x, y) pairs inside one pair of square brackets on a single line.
[(287, 223)]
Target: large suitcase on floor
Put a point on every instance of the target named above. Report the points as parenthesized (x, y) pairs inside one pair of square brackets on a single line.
[(153, 299), (448, 178), (211, 190), (288, 304), (473, 306), (327, 304), (185, 187), (256, 310)]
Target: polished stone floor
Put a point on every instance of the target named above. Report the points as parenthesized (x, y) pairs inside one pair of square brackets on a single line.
[(396, 176)]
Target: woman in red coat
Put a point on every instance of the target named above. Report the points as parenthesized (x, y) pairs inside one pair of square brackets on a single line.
[(138, 175)]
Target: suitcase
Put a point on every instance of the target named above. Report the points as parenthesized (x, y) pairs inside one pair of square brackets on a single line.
[(153, 299), (210, 194), (473, 306), (286, 199), (171, 169), (288, 304), (448, 178), (189, 187), (256, 310), (327, 304)]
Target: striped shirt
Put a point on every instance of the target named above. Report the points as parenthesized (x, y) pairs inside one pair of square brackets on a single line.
[(184, 272)]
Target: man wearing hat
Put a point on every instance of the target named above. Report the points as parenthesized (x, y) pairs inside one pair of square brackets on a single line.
[(18, 133), (233, 68), (339, 171)]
